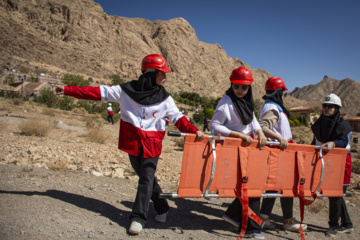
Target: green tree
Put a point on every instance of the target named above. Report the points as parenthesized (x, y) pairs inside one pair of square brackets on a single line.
[(75, 80), (116, 80)]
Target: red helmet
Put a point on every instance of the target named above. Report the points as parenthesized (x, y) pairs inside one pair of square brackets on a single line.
[(242, 76), (154, 61), (274, 83)]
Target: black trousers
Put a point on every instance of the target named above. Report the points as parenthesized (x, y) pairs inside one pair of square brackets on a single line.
[(148, 188), (110, 117), (337, 210), (286, 206), (235, 212)]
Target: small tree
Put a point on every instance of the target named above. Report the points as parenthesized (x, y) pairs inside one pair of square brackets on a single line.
[(116, 80), (75, 80)]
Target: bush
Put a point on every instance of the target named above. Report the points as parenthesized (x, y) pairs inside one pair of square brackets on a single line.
[(75, 80), (33, 79), (46, 96), (35, 128), (96, 135), (116, 80), (65, 103)]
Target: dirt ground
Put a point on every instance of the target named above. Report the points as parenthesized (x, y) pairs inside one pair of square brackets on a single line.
[(40, 201)]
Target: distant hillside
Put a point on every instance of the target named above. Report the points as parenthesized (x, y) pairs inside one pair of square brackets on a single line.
[(79, 37), (66, 36), (347, 89)]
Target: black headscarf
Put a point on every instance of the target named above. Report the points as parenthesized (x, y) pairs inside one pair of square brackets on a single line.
[(276, 96), (330, 128), (145, 91), (244, 106)]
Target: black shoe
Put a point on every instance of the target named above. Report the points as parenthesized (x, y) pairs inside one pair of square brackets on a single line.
[(332, 231), (346, 229)]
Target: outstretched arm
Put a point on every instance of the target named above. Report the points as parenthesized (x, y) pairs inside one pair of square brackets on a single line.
[(88, 93)]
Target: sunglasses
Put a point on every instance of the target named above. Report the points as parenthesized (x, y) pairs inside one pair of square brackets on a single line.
[(238, 86), (329, 106)]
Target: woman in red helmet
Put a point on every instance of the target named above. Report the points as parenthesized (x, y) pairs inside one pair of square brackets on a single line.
[(145, 104), (234, 117), (273, 119)]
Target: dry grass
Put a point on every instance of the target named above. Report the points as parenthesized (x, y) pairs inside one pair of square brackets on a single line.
[(79, 111), (35, 128), (49, 111), (179, 142), (92, 123), (58, 166), (96, 135), (167, 149)]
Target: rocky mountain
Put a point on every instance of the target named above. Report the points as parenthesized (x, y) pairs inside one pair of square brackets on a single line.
[(78, 37), (64, 36), (347, 89)]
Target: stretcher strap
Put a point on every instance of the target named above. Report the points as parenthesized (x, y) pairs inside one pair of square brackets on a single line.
[(300, 157), (242, 193)]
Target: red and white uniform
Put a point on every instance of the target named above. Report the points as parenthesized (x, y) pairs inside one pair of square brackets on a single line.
[(110, 111), (141, 125)]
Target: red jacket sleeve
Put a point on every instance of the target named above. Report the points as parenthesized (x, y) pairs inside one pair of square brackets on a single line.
[(88, 93), (185, 126)]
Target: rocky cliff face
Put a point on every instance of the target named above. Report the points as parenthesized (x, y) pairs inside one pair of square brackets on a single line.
[(78, 37)]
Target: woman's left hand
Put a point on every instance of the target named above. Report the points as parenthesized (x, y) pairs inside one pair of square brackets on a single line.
[(199, 135), (328, 146), (262, 139)]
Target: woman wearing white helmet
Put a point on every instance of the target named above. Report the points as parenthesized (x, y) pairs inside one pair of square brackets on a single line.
[(330, 131), (110, 113)]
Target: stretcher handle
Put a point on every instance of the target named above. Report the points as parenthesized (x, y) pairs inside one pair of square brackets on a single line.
[(264, 195), (176, 134), (322, 167)]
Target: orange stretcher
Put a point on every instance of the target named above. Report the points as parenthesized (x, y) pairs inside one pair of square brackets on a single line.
[(223, 167), (214, 165)]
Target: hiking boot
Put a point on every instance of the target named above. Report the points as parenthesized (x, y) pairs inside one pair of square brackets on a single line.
[(331, 232), (231, 221), (254, 235), (345, 229), (135, 228), (267, 224), (160, 218), (293, 225)]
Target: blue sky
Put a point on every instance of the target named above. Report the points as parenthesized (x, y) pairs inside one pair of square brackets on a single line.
[(300, 41)]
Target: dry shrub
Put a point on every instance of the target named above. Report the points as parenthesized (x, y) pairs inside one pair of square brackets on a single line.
[(317, 206), (79, 111), (179, 142), (35, 128), (16, 101), (49, 112), (167, 149), (96, 135), (58, 165), (92, 123)]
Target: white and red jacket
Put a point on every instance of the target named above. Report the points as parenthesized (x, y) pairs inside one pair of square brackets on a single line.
[(110, 111), (226, 119), (141, 125)]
